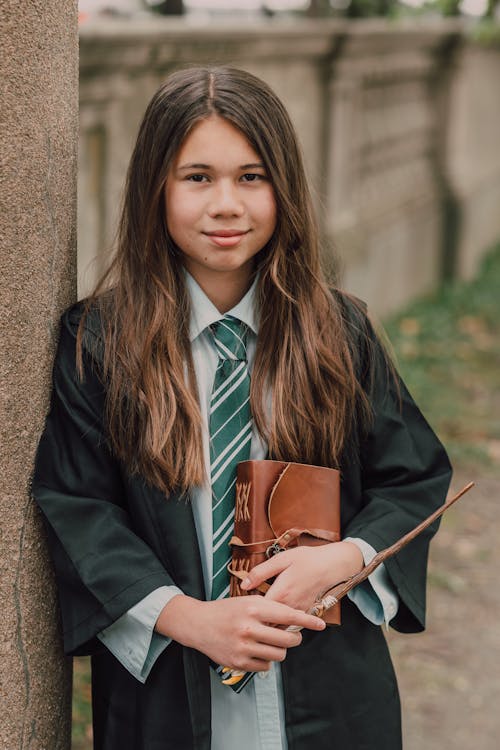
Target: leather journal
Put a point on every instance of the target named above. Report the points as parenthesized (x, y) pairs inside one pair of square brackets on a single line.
[(278, 506)]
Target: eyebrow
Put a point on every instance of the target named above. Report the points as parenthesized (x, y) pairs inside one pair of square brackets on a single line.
[(256, 165)]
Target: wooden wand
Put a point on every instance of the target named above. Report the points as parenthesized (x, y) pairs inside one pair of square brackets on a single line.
[(336, 592)]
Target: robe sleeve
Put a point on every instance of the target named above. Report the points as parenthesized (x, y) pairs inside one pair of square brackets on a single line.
[(405, 475), (376, 598), (102, 567), (132, 638)]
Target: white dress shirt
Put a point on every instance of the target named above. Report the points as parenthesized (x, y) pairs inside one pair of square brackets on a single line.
[(254, 718)]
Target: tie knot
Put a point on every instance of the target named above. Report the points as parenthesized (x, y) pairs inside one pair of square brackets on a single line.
[(230, 338)]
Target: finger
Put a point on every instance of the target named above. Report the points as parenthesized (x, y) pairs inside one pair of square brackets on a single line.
[(277, 637), (250, 664), (283, 590), (259, 658), (303, 620), (263, 571), (293, 596), (258, 665), (268, 653), (281, 614)]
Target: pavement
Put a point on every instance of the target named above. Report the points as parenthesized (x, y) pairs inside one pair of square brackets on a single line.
[(449, 676)]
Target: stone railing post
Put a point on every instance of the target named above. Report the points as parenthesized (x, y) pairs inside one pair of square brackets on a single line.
[(38, 133)]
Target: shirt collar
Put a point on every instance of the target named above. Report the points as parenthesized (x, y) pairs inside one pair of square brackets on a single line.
[(204, 312)]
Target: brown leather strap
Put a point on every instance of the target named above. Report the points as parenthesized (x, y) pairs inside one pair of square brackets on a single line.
[(284, 541), (328, 536), (239, 543)]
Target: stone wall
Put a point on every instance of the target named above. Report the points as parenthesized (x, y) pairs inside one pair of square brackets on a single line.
[(384, 199), (387, 116), (38, 133), (473, 153)]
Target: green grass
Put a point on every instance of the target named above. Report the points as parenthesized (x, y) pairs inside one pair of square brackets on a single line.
[(486, 33), (448, 351), (81, 736)]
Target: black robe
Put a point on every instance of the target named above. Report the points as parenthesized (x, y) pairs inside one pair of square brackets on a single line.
[(114, 539)]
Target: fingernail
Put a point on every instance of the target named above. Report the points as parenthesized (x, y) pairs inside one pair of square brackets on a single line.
[(245, 583)]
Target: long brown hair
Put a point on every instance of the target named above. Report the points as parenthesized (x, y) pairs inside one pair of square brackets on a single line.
[(303, 356)]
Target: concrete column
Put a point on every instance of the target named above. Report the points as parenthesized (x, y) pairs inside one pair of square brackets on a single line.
[(38, 138)]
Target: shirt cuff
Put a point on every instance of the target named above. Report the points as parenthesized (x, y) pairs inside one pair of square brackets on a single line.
[(376, 598), (132, 638)]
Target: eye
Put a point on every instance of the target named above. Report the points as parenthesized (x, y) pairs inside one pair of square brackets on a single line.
[(253, 177), (197, 178)]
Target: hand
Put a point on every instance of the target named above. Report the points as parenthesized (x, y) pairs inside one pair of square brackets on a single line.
[(238, 632), (303, 574)]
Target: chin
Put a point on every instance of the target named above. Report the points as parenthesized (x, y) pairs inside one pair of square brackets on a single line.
[(231, 263)]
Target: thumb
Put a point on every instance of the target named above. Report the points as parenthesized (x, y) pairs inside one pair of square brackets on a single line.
[(263, 571)]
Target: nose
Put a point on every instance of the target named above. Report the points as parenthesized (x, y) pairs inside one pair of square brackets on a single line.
[(225, 200)]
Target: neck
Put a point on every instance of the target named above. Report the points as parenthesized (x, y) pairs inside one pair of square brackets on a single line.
[(225, 289)]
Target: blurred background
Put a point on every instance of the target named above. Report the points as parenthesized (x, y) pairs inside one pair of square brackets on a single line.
[(397, 105)]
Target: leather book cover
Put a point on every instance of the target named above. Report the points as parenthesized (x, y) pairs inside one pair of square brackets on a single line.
[(280, 505)]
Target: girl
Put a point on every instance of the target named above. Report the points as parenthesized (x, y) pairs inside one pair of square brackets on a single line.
[(213, 338)]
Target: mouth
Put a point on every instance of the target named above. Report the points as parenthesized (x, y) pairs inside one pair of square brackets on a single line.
[(226, 237)]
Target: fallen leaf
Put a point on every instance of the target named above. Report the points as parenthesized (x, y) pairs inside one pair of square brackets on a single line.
[(409, 326)]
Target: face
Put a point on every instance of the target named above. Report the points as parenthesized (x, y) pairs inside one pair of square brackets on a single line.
[(219, 203)]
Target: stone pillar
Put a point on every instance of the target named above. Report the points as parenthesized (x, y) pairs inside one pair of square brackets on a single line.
[(38, 134)]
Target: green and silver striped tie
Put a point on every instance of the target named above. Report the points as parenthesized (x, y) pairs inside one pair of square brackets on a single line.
[(230, 435)]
